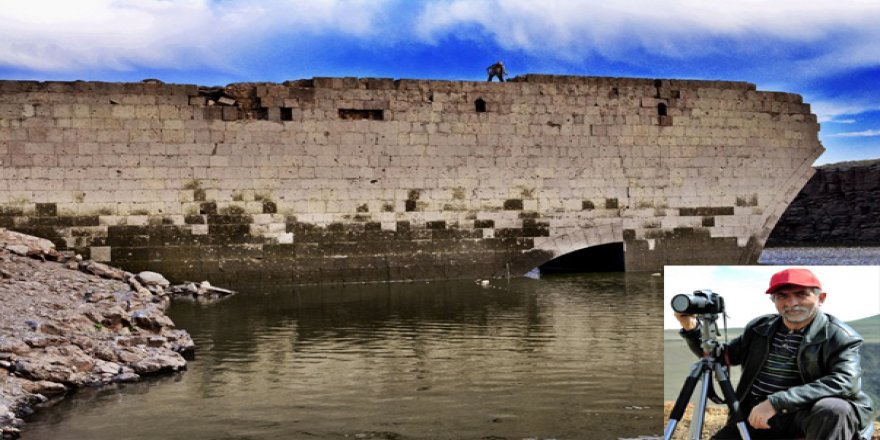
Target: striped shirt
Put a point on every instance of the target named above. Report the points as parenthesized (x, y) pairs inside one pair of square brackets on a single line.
[(780, 372)]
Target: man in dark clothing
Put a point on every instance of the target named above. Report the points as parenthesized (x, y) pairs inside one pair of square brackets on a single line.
[(498, 70), (801, 375)]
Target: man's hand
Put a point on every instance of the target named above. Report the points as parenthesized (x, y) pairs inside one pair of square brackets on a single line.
[(761, 414), (688, 322)]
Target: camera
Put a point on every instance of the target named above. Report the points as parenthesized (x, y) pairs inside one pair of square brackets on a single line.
[(699, 302)]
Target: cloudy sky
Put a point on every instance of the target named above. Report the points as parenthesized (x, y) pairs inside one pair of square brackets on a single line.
[(826, 50), (853, 291)]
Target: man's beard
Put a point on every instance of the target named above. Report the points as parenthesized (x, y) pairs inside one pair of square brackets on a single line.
[(797, 318)]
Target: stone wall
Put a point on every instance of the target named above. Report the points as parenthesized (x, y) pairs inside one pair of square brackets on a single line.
[(840, 205), (346, 179)]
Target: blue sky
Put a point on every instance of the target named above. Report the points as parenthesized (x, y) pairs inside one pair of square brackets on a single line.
[(828, 51), (853, 291)]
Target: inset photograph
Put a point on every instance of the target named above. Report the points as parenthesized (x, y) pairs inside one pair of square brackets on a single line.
[(779, 352)]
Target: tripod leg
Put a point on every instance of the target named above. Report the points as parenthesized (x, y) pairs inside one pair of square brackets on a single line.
[(700, 410), (732, 402), (681, 403)]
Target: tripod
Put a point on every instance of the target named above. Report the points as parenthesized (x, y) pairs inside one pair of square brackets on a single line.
[(703, 370)]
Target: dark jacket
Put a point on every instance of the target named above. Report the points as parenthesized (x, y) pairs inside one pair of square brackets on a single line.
[(828, 360)]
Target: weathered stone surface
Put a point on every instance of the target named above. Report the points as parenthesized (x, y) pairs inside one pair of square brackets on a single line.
[(340, 180), (840, 205), (23, 244), (13, 345), (45, 388), (152, 320), (102, 270), (64, 329), (148, 278), (155, 363)]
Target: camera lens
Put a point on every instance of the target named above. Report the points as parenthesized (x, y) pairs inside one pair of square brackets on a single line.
[(699, 302), (681, 303)]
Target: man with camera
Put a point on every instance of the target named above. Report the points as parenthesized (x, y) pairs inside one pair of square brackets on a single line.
[(800, 368)]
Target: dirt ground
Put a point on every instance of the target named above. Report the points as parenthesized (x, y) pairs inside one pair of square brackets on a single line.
[(715, 418)]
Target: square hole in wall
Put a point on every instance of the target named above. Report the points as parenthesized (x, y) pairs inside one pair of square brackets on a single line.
[(286, 114)]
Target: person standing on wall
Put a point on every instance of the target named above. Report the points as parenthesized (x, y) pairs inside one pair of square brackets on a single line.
[(498, 70)]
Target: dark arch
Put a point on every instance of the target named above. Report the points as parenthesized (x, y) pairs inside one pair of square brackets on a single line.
[(661, 109), (606, 257), (480, 105)]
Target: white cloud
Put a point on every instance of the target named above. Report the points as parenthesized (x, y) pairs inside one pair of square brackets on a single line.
[(863, 133), (573, 28), (52, 35), (829, 111), (59, 35)]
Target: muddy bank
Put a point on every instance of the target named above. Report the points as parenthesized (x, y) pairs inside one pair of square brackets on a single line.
[(66, 324)]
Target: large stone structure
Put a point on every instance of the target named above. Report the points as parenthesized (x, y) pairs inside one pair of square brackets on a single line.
[(840, 205), (346, 179)]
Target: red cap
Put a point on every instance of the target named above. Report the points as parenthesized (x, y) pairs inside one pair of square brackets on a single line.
[(797, 277)]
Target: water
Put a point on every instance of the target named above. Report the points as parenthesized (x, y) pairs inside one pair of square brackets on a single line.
[(564, 357), (850, 256)]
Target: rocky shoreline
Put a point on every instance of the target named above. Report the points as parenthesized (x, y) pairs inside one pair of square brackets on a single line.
[(67, 324)]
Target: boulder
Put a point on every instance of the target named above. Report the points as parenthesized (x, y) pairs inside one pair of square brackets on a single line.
[(24, 244), (45, 388), (102, 270), (13, 345), (151, 320), (148, 278), (157, 362), (18, 249), (109, 368), (126, 377)]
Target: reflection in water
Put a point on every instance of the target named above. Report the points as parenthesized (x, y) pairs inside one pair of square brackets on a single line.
[(563, 357)]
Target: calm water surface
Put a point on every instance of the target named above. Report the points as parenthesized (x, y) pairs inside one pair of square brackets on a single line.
[(852, 256), (565, 357)]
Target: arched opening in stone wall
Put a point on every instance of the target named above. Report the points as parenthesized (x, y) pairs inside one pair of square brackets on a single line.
[(602, 258), (480, 105), (661, 109)]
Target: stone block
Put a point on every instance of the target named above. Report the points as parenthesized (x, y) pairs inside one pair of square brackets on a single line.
[(100, 254)]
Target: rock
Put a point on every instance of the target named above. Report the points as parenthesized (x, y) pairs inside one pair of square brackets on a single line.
[(157, 341), (151, 320), (131, 341), (126, 377), (42, 369), (18, 249), (148, 278), (130, 355), (159, 362), (52, 329), (13, 345), (72, 356), (111, 368), (138, 287), (32, 245), (114, 317), (50, 314), (10, 433), (104, 353), (44, 341), (102, 270), (45, 388), (99, 296)]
